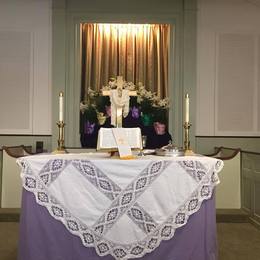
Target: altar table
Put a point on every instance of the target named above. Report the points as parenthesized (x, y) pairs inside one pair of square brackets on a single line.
[(77, 207)]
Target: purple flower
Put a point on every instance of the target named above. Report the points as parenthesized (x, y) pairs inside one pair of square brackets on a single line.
[(89, 128), (108, 111), (135, 112), (159, 128)]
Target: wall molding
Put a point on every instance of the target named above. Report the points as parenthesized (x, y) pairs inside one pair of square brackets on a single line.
[(73, 76)]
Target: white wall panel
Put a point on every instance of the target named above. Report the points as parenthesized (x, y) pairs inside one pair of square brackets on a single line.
[(205, 85), (25, 66), (15, 82), (228, 68), (235, 84)]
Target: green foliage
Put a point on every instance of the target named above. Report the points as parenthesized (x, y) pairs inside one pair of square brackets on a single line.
[(160, 115), (146, 106), (133, 102), (101, 102), (90, 114), (151, 106)]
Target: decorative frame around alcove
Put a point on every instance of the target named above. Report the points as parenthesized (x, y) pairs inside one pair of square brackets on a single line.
[(71, 21)]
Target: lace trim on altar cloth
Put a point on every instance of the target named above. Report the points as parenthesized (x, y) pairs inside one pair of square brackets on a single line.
[(123, 202)]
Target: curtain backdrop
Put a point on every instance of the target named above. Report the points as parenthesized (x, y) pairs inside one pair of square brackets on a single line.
[(139, 53)]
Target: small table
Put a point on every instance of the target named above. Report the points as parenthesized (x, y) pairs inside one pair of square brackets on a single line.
[(84, 207)]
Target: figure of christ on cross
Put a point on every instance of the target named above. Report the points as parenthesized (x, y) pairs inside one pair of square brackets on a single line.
[(119, 99)]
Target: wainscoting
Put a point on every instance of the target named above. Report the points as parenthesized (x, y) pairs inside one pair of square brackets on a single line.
[(250, 185), (250, 171)]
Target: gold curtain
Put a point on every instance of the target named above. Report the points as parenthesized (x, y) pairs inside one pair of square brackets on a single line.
[(139, 53)]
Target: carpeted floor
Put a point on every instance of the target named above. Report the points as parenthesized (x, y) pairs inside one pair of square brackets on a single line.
[(240, 241), (237, 241), (8, 240)]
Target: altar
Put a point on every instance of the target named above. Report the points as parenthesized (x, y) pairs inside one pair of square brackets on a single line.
[(91, 206)]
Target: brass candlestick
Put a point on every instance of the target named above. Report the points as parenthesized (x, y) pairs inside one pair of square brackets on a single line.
[(187, 149), (61, 148)]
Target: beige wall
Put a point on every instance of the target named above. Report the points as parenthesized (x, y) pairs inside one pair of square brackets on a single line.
[(25, 67), (25, 73), (228, 68), (228, 73)]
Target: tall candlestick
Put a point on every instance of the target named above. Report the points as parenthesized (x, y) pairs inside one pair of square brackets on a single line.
[(187, 107), (187, 125), (61, 104)]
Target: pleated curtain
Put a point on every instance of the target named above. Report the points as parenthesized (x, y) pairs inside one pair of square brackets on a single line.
[(139, 53)]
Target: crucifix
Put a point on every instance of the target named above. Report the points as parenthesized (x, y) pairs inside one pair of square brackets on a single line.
[(119, 99)]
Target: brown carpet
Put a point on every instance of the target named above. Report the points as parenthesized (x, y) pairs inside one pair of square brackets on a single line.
[(237, 241), (240, 241), (8, 240)]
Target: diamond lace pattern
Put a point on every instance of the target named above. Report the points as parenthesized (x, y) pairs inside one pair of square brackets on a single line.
[(51, 170), (127, 198), (195, 168), (123, 202), (112, 190)]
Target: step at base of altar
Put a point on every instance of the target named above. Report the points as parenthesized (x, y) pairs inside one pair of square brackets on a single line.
[(10, 214), (232, 216)]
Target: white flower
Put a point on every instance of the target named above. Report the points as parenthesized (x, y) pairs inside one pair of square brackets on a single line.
[(156, 99), (104, 88), (149, 94), (83, 107), (129, 86), (112, 84), (139, 99), (142, 92), (91, 93), (163, 103)]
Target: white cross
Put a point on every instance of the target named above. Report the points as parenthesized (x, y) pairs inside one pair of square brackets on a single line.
[(118, 95)]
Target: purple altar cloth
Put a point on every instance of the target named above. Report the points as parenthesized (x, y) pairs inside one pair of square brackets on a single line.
[(44, 238)]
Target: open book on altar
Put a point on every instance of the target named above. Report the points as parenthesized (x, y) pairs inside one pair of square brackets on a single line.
[(107, 138)]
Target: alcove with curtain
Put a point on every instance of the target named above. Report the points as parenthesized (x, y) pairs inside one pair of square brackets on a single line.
[(140, 54)]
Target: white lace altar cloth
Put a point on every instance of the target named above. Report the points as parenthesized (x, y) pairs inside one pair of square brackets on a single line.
[(122, 208)]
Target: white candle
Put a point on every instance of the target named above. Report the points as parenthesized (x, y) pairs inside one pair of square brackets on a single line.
[(61, 104), (187, 107)]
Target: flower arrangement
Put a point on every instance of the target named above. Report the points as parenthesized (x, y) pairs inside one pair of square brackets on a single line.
[(149, 102), (146, 103), (94, 108), (113, 83)]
